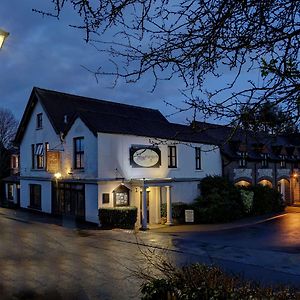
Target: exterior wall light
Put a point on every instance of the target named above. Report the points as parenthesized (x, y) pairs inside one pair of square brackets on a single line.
[(3, 36), (57, 175)]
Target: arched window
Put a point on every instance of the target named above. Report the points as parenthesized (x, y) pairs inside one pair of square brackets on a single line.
[(265, 182), (243, 183)]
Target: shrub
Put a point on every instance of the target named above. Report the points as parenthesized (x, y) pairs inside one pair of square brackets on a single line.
[(199, 281), (118, 217), (247, 199), (266, 200), (220, 201), (178, 211), (217, 183)]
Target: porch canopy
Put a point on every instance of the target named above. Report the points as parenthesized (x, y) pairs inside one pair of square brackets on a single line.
[(145, 183)]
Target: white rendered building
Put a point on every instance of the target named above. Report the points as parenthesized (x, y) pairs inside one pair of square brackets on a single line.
[(79, 154)]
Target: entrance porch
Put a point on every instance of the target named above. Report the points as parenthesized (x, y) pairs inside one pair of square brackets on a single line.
[(149, 196)]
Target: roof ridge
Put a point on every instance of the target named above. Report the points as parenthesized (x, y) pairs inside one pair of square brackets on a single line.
[(84, 98)]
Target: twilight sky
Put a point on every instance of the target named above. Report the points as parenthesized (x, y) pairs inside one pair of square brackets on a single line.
[(47, 53)]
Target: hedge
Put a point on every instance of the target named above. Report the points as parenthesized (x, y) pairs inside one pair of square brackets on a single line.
[(118, 217)]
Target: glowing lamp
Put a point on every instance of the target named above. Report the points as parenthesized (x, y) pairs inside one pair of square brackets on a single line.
[(3, 36), (57, 175)]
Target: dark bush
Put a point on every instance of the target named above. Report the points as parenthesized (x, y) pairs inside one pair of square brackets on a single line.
[(219, 183), (199, 281), (118, 217), (178, 211), (220, 201), (9, 204), (266, 200)]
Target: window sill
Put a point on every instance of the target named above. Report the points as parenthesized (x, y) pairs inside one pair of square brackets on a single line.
[(38, 128), (38, 170), (199, 170)]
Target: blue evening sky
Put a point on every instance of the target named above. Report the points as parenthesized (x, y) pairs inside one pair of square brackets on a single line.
[(47, 53)]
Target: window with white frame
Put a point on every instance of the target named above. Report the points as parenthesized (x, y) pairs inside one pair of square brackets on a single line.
[(198, 158), (79, 153), (38, 155), (172, 157)]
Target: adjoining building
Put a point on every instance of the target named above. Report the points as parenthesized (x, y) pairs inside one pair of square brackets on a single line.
[(79, 154), (250, 158), (12, 182)]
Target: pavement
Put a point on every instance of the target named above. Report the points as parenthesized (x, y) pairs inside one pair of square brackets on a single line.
[(216, 227), (39, 253)]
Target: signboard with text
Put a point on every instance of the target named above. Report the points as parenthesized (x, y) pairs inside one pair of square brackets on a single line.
[(53, 161), (145, 157)]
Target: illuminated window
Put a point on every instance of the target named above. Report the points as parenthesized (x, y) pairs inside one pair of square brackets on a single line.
[(172, 157), (79, 153), (243, 183), (39, 156), (14, 162)]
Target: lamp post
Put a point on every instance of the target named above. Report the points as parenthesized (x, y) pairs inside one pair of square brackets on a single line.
[(3, 36)]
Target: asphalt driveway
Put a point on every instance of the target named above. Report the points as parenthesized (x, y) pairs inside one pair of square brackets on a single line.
[(67, 263)]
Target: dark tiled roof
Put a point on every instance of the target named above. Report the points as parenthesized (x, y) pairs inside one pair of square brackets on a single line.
[(230, 140), (105, 116), (111, 117)]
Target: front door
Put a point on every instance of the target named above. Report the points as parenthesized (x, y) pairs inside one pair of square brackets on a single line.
[(141, 204), (68, 199)]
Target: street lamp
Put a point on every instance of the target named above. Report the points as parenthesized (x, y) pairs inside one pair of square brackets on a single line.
[(3, 36)]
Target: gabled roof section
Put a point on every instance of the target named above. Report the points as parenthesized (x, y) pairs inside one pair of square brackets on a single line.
[(102, 116), (98, 115)]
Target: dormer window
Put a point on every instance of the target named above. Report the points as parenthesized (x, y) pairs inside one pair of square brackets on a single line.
[(243, 159), (39, 121), (282, 161), (264, 161)]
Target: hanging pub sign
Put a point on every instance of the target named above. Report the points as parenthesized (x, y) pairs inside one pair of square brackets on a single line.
[(145, 157), (53, 161)]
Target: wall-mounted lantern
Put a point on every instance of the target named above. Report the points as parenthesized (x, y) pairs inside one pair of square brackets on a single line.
[(3, 36)]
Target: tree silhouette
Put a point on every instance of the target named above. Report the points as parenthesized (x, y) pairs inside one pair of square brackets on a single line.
[(193, 40)]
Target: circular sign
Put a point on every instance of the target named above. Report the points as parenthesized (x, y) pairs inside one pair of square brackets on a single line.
[(145, 158)]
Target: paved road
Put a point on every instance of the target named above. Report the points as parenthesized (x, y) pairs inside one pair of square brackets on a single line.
[(66, 263)]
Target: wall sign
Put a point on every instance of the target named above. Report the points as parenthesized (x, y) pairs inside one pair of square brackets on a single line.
[(189, 216), (53, 161), (145, 157)]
